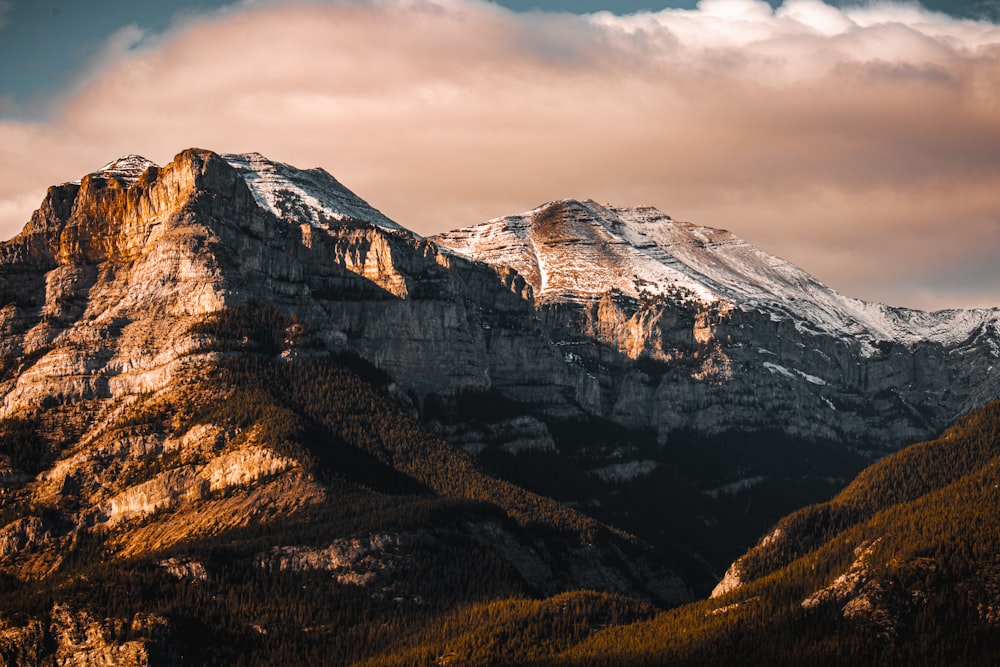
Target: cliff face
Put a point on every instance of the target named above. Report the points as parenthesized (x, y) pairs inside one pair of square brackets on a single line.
[(141, 308), (104, 281), (687, 327), (713, 368)]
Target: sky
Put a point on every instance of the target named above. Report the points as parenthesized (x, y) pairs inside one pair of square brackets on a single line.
[(859, 140)]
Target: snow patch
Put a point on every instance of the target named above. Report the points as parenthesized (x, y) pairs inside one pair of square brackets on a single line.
[(304, 196), (624, 472), (780, 370), (127, 168), (736, 487), (793, 373), (811, 378)]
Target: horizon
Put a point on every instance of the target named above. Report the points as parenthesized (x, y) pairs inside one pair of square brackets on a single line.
[(858, 141)]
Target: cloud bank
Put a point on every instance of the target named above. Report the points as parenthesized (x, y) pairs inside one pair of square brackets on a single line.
[(862, 144)]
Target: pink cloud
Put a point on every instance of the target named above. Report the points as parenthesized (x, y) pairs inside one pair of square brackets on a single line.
[(857, 143)]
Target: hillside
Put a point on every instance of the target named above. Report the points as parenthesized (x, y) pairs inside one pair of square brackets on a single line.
[(898, 569), (189, 521)]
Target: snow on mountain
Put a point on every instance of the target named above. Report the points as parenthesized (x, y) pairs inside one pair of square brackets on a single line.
[(571, 250), (127, 168), (304, 195)]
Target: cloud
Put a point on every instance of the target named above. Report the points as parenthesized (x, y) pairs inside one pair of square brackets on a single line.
[(5, 7), (122, 43), (860, 143)]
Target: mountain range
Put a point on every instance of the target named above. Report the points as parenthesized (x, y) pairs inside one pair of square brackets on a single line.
[(247, 419)]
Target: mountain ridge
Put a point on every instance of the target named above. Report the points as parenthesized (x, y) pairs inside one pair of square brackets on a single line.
[(183, 407), (102, 287), (711, 264)]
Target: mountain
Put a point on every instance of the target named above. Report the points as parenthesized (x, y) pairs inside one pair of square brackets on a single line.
[(740, 336), (735, 386), (247, 418), (190, 440)]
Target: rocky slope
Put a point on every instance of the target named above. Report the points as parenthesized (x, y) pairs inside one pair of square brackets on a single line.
[(732, 337), (192, 238), (239, 381), (177, 345)]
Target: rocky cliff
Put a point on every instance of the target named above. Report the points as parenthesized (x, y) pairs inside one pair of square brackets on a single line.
[(107, 271), (713, 334), (176, 346), (621, 313)]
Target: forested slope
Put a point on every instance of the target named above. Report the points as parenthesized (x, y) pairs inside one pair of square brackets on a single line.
[(901, 568)]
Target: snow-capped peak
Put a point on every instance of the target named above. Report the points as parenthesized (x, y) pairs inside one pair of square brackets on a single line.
[(127, 168), (572, 250), (310, 196)]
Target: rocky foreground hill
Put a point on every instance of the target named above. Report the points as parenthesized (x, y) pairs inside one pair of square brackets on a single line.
[(247, 418)]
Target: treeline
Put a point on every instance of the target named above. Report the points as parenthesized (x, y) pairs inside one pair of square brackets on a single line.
[(970, 444), (921, 542)]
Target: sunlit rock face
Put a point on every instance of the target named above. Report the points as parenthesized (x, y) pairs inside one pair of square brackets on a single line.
[(103, 300), (103, 284), (75, 638)]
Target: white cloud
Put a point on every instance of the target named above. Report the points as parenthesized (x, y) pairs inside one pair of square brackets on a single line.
[(817, 132), (117, 47)]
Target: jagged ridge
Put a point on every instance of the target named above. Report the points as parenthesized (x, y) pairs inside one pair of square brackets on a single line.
[(310, 196)]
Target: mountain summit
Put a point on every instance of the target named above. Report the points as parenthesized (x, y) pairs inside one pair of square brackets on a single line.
[(312, 195), (128, 168), (572, 250)]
